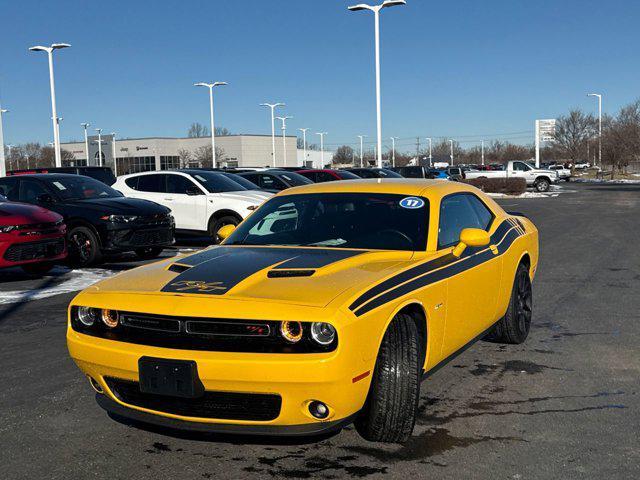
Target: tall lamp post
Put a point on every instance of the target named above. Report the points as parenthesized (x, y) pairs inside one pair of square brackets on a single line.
[(86, 139), (211, 86), (451, 143), (284, 138), (115, 160), (99, 130), (322, 134), (361, 137), (393, 151), (54, 115), (304, 146), (430, 151), (3, 165), (376, 11), (273, 107), (483, 153), (599, 97)]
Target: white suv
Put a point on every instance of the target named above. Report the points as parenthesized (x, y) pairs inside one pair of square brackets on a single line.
[(200, 200)]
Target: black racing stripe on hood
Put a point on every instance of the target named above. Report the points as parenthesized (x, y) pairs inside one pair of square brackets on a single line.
[(217, 270)]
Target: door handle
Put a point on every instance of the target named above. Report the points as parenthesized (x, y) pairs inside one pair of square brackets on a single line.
[(169, 199)]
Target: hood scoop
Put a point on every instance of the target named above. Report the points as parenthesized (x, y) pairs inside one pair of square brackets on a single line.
[(177, 268), (290, 273)]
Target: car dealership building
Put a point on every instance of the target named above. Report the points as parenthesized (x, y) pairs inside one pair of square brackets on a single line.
[(162, 153)]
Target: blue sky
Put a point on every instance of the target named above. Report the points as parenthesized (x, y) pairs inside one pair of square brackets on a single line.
[(455, 68)]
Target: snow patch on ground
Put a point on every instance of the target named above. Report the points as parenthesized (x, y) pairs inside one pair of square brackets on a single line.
[(554, 191), (619, 181), (66, 281)]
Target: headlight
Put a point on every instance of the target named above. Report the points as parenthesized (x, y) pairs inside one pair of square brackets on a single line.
[(291, 331), (120, 218), (110, 318), (323, 333), (87, 316), (9, 228)]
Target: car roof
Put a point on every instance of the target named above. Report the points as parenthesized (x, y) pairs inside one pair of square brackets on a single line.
[(327, 170), (48, 176), (400, 186)]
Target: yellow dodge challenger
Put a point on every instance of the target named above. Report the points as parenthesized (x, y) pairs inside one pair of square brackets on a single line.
[(328, 305)]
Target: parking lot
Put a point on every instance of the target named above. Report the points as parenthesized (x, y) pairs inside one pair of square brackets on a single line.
[(563, 405)]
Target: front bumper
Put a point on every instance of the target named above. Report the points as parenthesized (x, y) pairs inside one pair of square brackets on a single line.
[(297, 379), (24, 250), (123, 238)]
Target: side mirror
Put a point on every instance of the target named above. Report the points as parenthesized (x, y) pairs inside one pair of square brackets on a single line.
[(193, 191), (471, 237), (44, 198), (226, 231)]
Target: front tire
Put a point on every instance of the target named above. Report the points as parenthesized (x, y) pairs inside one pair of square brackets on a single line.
[(216, 224), (84, 248), (542, 185), (390, 411), (514, 327)]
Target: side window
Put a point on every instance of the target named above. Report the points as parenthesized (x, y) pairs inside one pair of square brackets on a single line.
[(179, 184), (324, 177), (151, 183), (520, 167), (252, 177), (458, 212), (30, 190), (132, 182), (271, 182), (9, 188)]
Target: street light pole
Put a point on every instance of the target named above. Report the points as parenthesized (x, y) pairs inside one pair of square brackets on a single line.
[(3, 165), (273, 107), (322, 134), (451, 143), (211, 86), (483, 153), (430, 152), (54, 115), (599, 96), (361, 137), (86, 139), (284, 138), (393, 151), (376, 11), (99, 130), (304, 146), (115, 159)]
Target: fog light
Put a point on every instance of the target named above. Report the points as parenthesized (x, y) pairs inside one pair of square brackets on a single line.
[(110, 318), (323, 333), (318, 410), (291, 331), (86, 316)]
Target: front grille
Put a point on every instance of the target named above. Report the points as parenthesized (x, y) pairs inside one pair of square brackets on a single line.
[(151, 237), (212, 405), (39, 228), (21, 252)]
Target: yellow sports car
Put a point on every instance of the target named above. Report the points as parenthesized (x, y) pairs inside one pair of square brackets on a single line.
[(328, 305)]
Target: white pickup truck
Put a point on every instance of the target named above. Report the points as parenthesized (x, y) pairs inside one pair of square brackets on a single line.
[(540, 179)]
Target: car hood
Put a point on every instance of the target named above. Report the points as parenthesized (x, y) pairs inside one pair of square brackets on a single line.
[(298, 276), (120, 206), (13, 213)]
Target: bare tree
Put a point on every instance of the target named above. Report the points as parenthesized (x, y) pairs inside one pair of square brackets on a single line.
[(343, 155), (222, 132), (203, 156), (573, 131), (67, 157), (185, 157), (197, 130)]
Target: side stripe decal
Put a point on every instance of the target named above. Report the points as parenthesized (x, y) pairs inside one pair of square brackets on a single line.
[(434, 271)]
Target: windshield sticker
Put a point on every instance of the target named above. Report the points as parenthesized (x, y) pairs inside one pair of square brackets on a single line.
[(412, 203), (59, 185), (200, 178)]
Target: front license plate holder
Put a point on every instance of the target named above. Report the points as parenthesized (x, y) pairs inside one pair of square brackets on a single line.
[(171, 378)]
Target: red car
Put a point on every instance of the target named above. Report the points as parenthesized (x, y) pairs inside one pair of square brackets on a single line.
[(327, 175), (30, 237)]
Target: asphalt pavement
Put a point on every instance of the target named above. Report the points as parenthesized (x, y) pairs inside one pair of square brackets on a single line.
[(563, 405)]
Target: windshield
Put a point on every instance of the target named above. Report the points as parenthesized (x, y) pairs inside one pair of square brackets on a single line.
[(386, 173), (77, 187), (216, 182), (344, 175), (247, 184), (368, 221)]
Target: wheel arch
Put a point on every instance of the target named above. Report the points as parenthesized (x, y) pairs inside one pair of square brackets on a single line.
[(79, 222), (415, 309), (224, 212)]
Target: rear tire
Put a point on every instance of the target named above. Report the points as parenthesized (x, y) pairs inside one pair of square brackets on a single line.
[(389, 413), (514, 327), (84, 248), (217, 224), (37, 268)]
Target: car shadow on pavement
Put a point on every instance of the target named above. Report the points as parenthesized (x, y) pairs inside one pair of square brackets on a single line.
[(13, 308), (234, 439)]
